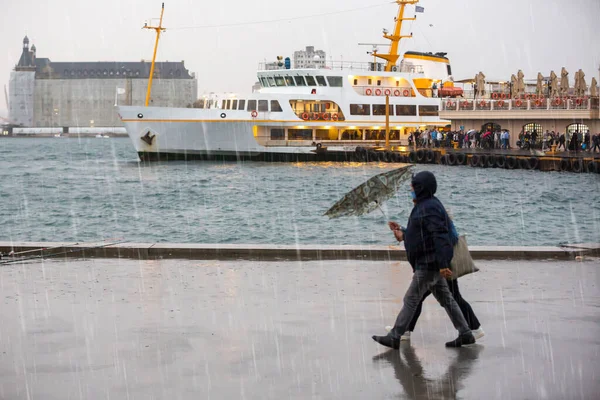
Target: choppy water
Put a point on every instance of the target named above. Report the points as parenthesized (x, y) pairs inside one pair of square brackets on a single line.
[(92, 189)]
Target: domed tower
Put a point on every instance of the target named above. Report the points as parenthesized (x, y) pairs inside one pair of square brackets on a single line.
[(26, 60)]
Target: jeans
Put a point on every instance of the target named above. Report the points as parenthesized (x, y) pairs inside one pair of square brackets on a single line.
[(465, 307), (422, 282)]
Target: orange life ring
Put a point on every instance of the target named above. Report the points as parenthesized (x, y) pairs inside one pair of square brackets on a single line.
[(448, 103), (405, 93), (305, 116), (495, 96), (325, 116), (368, 92), (387, 92), (538, 103), (334, 117), (377, 92), (519, 103), (503, 96), (579, 101), (254, 113), (315, 116), (465, 104), (501, 103), (396, 92), (557, 102), (482, 103)]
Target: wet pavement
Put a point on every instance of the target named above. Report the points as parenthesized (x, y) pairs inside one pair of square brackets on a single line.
[(184, 329)]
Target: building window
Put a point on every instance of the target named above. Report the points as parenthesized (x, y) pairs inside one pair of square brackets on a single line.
[(428, 111), (300, 81), (251, 105), (300, 134), (275, 106), (360, 109), (277, 134), (279, 81), (335, 81), (379, 109), (321, 80), (263, 105), (405, 109), (242, 105), (311, 81), (289, 80), (234, 105)]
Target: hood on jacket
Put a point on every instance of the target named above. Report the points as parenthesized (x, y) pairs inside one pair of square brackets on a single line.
[(424, 185)]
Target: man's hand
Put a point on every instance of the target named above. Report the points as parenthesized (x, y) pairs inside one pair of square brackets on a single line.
[(446, 273), (399, 235), (394, 226)]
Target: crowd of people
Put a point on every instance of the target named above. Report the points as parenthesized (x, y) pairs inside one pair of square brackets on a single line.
[(500, 139), (465, 140), (576, 141)]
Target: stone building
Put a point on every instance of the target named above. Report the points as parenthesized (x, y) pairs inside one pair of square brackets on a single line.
[(43, 93), (309, 58)]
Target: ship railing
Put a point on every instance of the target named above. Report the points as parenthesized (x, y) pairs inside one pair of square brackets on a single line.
[(345, 65), (537, 104)]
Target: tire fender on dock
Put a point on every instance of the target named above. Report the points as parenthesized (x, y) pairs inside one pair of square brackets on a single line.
[(511, 162), (451, 159), (564, 165), (429, 156), (474, 160), (577, 165), (412, 157), (420, 155), (461, 159), (500, 161)]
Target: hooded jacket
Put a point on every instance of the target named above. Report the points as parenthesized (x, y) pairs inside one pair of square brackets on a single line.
[(427, 238)]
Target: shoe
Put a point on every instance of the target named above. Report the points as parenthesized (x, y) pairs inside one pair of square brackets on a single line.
[(387, 341), (462, 340), (478, 333), (405, 336)]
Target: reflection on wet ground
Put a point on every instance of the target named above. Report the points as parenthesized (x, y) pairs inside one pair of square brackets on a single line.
[(190, 329)]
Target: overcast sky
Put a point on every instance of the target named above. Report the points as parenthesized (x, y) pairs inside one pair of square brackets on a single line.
[(496, 37)]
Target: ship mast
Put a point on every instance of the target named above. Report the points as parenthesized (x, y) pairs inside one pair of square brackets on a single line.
[(158, 30), (392, 56)]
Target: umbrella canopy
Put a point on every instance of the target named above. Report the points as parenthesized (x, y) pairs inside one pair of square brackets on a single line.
[(371, 194)]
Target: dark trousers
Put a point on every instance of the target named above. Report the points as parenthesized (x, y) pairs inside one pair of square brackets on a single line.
[(561, 144), (465, 307), (596, 146)]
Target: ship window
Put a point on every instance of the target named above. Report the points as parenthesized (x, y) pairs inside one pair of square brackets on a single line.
[(378, 82), (379, 109), (264, 82), (355, 82), (352, 134), (275, 106), (263, 105), (360, 109), (311, 81), (223, 104), (370, 81), (289, 80), (428, 111), (271, 81), (279, 81), (242, 105), (405, 109), (300, 134), (234, 105), (449, 69), (300, 81), (335, 81), (251, 105), (321, 80), (228, 104), (277, 134), (327, 134)]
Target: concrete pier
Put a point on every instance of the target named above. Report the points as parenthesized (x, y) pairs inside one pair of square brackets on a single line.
[(189, 329)]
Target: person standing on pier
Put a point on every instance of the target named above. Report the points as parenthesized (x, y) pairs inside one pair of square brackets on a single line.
[(561, 141), (429, 249), (596, 143)]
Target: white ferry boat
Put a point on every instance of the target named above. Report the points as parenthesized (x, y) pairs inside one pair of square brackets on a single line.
[(303, 114)]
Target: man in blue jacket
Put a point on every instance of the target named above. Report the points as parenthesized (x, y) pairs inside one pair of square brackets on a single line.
[(429, 249)]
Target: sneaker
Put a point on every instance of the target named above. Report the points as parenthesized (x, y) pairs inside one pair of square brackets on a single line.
[(387, 341), (405, 336), (478, 333), (462, 340)]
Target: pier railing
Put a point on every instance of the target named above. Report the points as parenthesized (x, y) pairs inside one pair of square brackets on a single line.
[(462, 104)]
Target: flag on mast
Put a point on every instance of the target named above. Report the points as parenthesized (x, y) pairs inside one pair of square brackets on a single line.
[(419, 9)]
